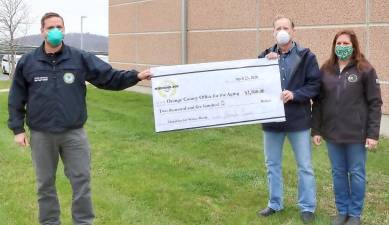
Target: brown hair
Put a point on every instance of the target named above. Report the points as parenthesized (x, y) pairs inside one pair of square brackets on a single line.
[(282, 17), (49, 15), (357, 55)]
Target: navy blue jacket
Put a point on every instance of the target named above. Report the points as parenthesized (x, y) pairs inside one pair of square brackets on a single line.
[(51, 90), (305, 85)]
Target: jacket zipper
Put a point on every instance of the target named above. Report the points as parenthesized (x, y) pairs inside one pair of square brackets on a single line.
[(55, 74), (55, 85), (53, 62), (338, 85)]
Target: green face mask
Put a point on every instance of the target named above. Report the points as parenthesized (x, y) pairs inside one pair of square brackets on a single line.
[(54, 36), (343, 52)]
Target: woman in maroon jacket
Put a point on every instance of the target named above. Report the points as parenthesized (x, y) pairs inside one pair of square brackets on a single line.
[(347, 116)]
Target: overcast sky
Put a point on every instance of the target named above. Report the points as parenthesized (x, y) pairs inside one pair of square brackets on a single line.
[(96, 12)]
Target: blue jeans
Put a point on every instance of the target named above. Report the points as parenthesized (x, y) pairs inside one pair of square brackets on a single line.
[(301, 144), (348, 174)]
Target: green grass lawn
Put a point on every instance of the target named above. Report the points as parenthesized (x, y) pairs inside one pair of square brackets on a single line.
[(5, 84), (210, 176)]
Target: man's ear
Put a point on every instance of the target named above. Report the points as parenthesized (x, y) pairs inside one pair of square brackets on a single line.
[(43, 33)]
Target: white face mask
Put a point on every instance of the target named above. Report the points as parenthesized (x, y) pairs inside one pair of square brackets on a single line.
[(282, 37)]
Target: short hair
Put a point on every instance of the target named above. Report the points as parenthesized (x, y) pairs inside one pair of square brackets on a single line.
[(278, 17), (49, 15)]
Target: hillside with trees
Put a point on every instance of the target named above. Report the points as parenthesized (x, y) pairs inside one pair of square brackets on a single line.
[(91, 42)]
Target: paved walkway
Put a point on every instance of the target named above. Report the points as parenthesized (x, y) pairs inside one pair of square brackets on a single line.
[(4, 77), (140, 89), (385, 125)]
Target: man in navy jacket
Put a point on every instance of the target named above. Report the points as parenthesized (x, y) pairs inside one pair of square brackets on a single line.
[(300, 82), (49, 91)]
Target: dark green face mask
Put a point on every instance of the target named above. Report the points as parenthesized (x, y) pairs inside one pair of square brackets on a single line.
[(343, 52)]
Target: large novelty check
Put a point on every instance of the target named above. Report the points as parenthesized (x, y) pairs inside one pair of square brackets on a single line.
[(216, 94)]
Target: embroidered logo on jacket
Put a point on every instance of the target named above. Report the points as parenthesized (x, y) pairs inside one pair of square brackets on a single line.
[(352, 78), (68, 78)]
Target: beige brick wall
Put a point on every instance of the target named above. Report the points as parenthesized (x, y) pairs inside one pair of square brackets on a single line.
[(146, 33), (313, 12)]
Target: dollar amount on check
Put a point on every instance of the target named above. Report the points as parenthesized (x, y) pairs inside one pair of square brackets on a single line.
[(216, 94)]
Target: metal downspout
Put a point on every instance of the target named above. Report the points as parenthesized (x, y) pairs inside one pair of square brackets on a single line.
[(184, 32)]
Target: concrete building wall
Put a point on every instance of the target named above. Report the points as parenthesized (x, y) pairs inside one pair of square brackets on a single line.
[(148, 33)]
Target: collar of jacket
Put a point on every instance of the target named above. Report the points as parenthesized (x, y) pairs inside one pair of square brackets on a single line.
[(352, 63), (278, 50), (301, 52), (42, 56)]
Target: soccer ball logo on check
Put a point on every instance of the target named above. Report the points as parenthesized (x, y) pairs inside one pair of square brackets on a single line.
[(166, 88)]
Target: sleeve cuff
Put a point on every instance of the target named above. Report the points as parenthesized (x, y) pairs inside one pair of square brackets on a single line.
[(135, 72), (18, 131), (314, 132), (374, 137)]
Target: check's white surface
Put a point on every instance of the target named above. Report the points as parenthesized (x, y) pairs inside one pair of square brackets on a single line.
[(216, 94)]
